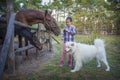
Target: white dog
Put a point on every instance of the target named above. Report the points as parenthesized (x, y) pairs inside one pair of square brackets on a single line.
[(83, 53)]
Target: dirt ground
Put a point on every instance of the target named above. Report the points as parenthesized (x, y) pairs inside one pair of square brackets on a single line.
[(27, 67)]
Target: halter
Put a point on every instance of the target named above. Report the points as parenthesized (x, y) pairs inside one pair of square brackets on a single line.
[(46, 23)]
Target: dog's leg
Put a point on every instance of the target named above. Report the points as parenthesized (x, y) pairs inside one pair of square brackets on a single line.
[(106, 63), (98, 63), (77, 67)]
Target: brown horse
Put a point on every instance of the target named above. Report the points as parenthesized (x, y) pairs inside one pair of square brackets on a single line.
[(20, 31), (31, 17)]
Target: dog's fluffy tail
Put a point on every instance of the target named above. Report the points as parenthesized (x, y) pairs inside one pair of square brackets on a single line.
[(99, 43)]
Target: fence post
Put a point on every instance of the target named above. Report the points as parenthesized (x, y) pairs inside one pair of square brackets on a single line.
[(38, 36), (10, 21), (6, 45), (11, 54)]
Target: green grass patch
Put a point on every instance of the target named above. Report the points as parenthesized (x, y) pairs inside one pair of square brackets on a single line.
[(89, 70)]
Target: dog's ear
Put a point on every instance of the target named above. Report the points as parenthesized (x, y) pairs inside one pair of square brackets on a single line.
[(72, 44)]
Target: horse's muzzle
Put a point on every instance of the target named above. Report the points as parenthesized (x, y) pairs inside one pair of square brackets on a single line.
[(57, 31)]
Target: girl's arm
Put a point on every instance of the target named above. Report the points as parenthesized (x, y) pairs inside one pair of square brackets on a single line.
[(72, 31), (63, 33)]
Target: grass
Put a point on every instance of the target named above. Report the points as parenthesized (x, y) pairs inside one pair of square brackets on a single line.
[(89, 71)]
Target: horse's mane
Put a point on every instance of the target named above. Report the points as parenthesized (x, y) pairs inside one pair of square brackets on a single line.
[(29, 15)]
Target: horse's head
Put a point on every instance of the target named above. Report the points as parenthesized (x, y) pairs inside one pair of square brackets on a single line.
[(26, 32), (50, 23), (35, 41)]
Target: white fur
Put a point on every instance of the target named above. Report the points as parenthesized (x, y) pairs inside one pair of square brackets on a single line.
[(83, 53)]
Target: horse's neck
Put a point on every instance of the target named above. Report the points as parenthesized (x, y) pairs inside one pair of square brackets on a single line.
[(30, 17), (38, 18)]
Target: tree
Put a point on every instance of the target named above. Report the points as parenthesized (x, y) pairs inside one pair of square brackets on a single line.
[(114, 5), (32, 4), (2, 6)]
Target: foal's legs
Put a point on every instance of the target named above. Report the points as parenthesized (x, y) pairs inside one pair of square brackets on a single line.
[(20, 42), (26, 51), (20, 45)]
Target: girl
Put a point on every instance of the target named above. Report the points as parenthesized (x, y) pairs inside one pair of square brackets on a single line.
[(68, 35)]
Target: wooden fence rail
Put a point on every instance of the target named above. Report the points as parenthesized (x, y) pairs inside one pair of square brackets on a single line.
[(24, 25), (23, 48)]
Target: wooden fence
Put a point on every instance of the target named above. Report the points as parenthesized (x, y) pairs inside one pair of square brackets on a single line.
[(7, 49)]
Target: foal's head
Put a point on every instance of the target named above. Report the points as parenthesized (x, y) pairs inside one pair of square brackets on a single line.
[(50, 23)]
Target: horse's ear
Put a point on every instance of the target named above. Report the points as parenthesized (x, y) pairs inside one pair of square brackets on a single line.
[(48, 12)]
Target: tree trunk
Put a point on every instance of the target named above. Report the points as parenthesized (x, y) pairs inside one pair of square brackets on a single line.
[(117, 28)]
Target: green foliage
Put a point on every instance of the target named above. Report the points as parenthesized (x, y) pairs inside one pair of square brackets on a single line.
[(32, 4), (87, 14), (2, 4), (114, 5), (67, 3), (56, 4)]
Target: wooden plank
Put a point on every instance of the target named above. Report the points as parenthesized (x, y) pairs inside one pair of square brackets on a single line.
[(11, 55), (6, 44), (23, 48), (24, 25)]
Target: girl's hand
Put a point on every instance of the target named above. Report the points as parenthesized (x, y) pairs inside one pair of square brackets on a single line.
[(62, 38), (66, 30)]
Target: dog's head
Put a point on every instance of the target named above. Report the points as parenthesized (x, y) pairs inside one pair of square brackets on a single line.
[(70, 47)]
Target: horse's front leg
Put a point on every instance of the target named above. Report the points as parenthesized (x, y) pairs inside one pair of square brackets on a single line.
[(20, 42), (26, 52)]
